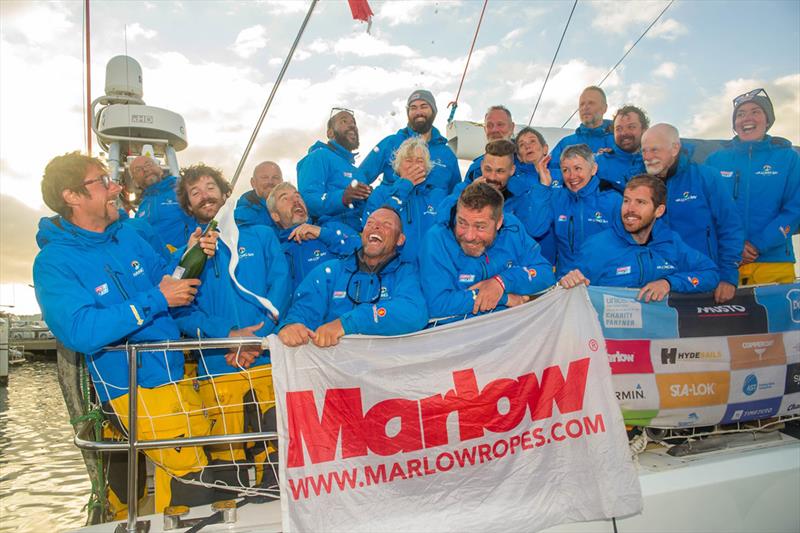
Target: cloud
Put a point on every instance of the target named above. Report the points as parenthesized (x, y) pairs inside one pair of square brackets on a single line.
[(18, 227), (712, 120), (669, 29), (366, 45), (136, 30), (39, 23), (249, 41), (619, 18), (411, 11), (285, 7), (666, 70), (511, 37)]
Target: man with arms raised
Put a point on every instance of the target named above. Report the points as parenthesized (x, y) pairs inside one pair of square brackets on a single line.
[(618, 164), (252, 205), (371, 292), (594, 131), (306, 245), (235, 386), (762, 174), (332, 187), (421, 111), (159, 206), (640, 251), (698, 206), (99, 284), (480, 261)]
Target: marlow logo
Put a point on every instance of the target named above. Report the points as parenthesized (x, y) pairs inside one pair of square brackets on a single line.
[(344, 426)]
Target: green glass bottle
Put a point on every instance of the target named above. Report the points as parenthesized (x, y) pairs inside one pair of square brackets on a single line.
[(194, 260)]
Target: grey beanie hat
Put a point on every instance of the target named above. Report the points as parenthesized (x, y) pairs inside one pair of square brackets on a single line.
[(760, 100), (425, 96)]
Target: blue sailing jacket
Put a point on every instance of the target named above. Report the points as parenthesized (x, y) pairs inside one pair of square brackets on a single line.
[(445, 173), (388, 302), (417, 206), (160, 208), (597, 138), (701, 210), (252, 209), (220, 306), (613, 259), (617, 167), (322, 176), (447, 272), (101, 289), (146, 232), (572, 217), (335, 241), (764, 179)]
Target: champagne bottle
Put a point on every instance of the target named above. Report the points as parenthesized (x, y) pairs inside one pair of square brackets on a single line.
[(194, 260)]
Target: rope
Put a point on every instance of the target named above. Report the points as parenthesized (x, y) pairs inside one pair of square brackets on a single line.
[(272, 95), (625, 55), (569, 19), (454, 104)]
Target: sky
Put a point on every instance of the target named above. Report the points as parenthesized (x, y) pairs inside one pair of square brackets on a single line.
[(215, 64)]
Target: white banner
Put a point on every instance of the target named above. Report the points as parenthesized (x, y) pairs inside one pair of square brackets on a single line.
[(505, 422)]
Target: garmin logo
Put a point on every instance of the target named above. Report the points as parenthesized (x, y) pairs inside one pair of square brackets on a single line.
[(635, 394)]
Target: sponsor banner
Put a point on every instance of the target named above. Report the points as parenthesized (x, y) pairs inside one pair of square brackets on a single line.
[(635, 391), (699, 316), (742, 412), (623, 317), (782, 303), (791, 344), (792, 383), (757, 383), (629, 356), (690, 355), (641, 417), (697, 389), (685, 418), (449, 428), (790, 405), (752, 351)]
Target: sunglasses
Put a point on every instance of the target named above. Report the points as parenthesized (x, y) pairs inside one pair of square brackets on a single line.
[(336, 110), (104, 179), (372, 290), (746, 97)]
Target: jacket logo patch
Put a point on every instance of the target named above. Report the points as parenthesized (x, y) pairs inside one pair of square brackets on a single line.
[(694, 281), (621, 271), (726, 173), (101, 290), (244, 253), (766, 170), (562, 218), (347, 174), (137, 268), (339, 294), (384, 293), (430, 210), (598, 217), (686, 197), (466, 278)]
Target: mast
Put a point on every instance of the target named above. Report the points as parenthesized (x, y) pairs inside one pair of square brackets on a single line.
[(88, 79)]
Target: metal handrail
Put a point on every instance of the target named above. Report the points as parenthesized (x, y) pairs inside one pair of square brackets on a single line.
[(133, 444)]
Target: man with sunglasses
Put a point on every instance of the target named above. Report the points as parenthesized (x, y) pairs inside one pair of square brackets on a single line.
[(371, 292), (481, 260), (333, 188), (99, 284), (421, 112), (763, 175), (159, 205)]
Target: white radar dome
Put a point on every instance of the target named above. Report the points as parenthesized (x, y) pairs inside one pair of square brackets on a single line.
[(124, 77)]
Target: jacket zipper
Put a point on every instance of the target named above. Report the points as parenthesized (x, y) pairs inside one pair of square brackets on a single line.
[(571, 234), (117, 282)]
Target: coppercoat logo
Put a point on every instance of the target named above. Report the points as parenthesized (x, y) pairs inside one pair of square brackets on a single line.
[(423, 423)]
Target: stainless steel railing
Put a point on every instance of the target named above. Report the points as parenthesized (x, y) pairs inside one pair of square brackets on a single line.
[(134, 444)]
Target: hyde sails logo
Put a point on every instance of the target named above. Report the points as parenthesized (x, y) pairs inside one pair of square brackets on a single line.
[(343, 426)]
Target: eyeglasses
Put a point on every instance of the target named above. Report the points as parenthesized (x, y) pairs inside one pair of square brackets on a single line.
[(336, 110), (746, 97), (369, 289), (105, 179)]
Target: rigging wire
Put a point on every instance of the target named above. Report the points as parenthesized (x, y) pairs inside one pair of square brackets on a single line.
[(625, 55), (272, 95), (454, 103), (569, 19)]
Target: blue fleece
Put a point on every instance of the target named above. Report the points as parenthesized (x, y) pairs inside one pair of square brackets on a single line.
[(701, 210), (338, 289), (160, 208), (101, 289), (416, 205), (572, 217), (448, 272), (220, 306), (764, 179), (597, 138), (444, 175), (335, 241), (617, 167), (322, 176), (252, 209), (613, 259)]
